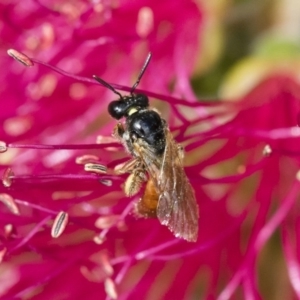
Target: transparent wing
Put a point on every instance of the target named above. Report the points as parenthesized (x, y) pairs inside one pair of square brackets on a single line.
[(177, 207)]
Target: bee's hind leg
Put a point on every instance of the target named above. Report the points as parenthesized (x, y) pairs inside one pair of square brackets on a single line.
[(136, 178), (134, 181)]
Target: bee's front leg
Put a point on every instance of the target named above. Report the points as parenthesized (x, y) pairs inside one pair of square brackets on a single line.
[(118, 132), (122, 135)]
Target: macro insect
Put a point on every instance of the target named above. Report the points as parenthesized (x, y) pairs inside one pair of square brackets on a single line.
[(156, 159)]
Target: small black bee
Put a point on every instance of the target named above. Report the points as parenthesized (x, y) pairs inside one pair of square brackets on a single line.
[(169, 195)]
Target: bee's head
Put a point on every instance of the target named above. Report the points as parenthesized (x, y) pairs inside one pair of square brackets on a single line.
[(126, 105)]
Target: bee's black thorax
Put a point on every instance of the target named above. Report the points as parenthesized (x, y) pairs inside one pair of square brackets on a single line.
[(147, 125)]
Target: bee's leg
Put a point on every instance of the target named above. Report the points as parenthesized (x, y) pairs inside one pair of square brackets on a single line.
[(118, 132), (122, 135), (134, 181), (129, 166)]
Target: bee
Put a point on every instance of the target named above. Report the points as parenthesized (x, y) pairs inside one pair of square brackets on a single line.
[(168, 195)]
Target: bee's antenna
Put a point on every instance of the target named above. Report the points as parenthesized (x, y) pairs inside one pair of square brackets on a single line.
[(142, 72), (107, 85)]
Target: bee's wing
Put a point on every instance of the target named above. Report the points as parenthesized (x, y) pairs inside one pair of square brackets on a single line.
[(177, 207)]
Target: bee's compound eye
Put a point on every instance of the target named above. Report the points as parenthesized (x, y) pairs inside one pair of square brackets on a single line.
[(117, 109), (141, 100)]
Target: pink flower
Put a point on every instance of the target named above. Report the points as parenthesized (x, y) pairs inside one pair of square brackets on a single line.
[(242, 159)]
